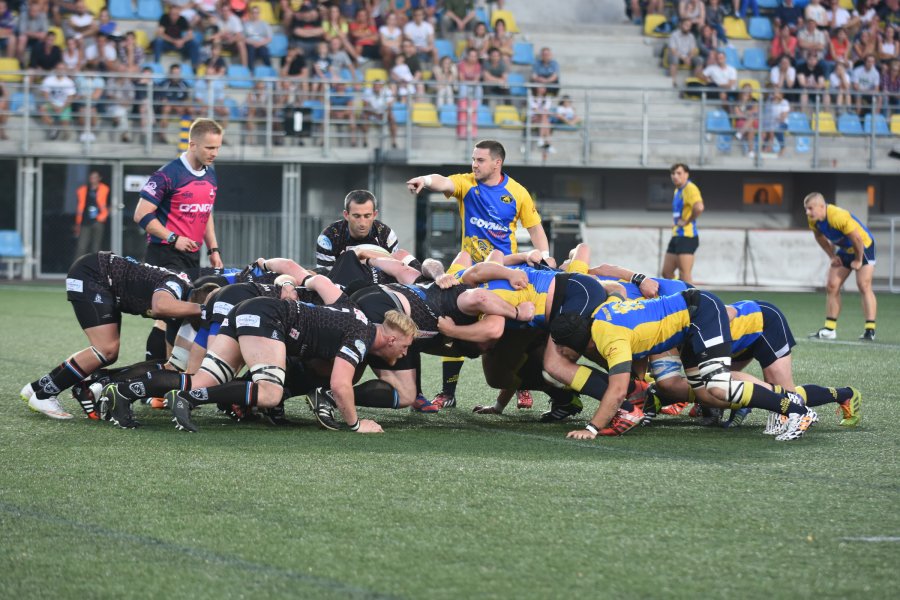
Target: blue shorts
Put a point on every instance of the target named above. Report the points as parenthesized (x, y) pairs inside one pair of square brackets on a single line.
[(577, 293), (776, 340), (848, 257), (709, 335)]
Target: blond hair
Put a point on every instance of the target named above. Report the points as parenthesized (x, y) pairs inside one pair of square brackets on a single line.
[(201, 127), (813, 196), (401, 323)]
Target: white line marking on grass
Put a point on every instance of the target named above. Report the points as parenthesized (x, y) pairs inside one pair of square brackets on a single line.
[(874, 539), (878, 345)]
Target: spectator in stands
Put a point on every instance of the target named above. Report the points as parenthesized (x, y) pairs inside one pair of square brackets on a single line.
[(305, 27), (446, 79), (343, 108), (81, 24), (7, 30), (564, 114), (783, 76), (376, 108), (73, 55), (411, 58), (4, 112), (546, 71), (746, 114), (175, 34), (337, 28), (470, 72), (841, 18), (231, 33), (715, 15), (459, 15), (142, 109), (46, 55), (118, 100), (255, 111), (479, 40), (865, 44), (839, 81), (818, 14), (390, 37), (888, 48), (342, 65), (783, 44), (430, 8), (890, 85), (105, 24), (131, 55), (775, 115), (173, 97), (89, 88), (540, 108), (421, 32), (495, 76), (351, 8), (866, 80), (209, 92), (694, 12), (868, 10), (321, 70), (102, 55), (811, 80), (190, 14), (788, 14), (707, 44), (740, 8), (812, 39), (840, 48), (682, 50), (889, 13), (57, 93), (257, 37), (502, 40), (364, 37), (722, 76), (403, 78), (294, 73), (31, 30)]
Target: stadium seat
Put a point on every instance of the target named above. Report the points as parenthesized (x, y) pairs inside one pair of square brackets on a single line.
[(507, 117), (425, 114), (848, 4), (507, 17), (801, 144), (376, 74), (95, 6), (447, 115), (159, 73), (801, 4), (141, 39), (881, 125), (445, 48), (8, 68), (278, 46), (753, 83), (651, 22), (895, 123), (149, 10), (481, 16), (121, 10), (798, 123), (768, 5), (484, 117), (848, 124), (60, 36), (17, 103), (523, 53), (516, 83), (187, 73), (317, 108), (823, 122), (735, 29), (263, 71), (723, 142), (266, 12), (755, 59), (461, 46), (733, 58), (760, 28), (401, 113), (234, 111), (718, 121), (239, 77), (12, 252)]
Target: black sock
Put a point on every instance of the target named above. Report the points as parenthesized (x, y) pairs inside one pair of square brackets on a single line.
[(376, 394), (242, 393), (817, 395), (766, 399), (154, 384), (61, 378), (451, 369), (135, 370), (156, 345)]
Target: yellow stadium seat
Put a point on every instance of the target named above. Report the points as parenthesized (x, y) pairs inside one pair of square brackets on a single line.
[(507, 117), (895, 123), (848, 4), (60, 36), (735, 28), (752, 83), (7, 65), (823, 122), (375, 74), (95, 6), (427, 75), (141, 39), (461, 46), (266, 12), (425, 114), (651, 22), (507, 17)]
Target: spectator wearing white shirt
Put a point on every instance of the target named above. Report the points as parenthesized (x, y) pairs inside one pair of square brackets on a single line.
[(377, 102), (101, 56), (866, 80), (421, 32), (839, 84), (841, 18), (58, 91), (723, 76), (775, 114), (231, 32)]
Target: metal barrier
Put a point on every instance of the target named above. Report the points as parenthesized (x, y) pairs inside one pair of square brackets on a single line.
[(248, 236)]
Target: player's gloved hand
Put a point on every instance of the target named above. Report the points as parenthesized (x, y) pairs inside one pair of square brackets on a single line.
[(369, 426)]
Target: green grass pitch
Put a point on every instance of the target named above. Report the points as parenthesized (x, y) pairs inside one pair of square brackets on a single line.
[(451, 505)]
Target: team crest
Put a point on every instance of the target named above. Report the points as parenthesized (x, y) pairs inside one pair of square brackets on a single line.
[(275, 336), (199, 394), (506, 198), (98, 299), (137, 388)]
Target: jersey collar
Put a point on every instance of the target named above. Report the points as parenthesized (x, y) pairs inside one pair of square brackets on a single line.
[(187, 165)]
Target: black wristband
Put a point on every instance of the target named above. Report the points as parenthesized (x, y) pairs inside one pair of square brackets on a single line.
[(212, 251), (590, 427), (354, 427), (638, 278)]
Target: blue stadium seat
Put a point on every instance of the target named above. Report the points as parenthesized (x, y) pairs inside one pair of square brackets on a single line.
[(733, 58), (482, 15), (881, 125), (447, 115), (523, 53), (755, 59), (768, 4), (801, 145), (234, 111), (718, 121), (149, 10), (723, 142), (187, 73), (516, 83), (12, 252), (278, 46), (159, 73), (801, 4), (17, 103), (239, 77), (798, 123), (318, 109), (848, 124), (485, 117), (401, 113), (121, 10), (262, 71), (760, 28), (445, 48)]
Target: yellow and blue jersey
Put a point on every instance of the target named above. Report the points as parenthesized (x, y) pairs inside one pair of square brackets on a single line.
[(667, 287), (632, 329), (490, 214), (747, 326), (838, 224), (682, 206), (539, 281)]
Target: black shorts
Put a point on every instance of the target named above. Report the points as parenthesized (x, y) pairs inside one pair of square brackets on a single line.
[(682, 245), (165, 255), (258, 317), (576, 293), (709, 335), (88, 291), (867, 259)]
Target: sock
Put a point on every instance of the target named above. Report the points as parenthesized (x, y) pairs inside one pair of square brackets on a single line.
[(451, 368), (627, 406), (590, 381), (154, 384), (830, 323), (242, 393), (376, 394), (61, 378), (156, 345), (136, 370), (756, 396), (817, 395), (870, 325)]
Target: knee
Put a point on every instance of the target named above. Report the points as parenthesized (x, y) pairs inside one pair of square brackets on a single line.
[(268, 394), (833, 286), (110, 351)]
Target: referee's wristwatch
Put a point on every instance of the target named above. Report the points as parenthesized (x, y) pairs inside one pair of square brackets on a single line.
[(173, 237)]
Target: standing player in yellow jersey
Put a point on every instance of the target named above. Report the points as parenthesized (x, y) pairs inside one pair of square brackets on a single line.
[(491, 204), (687, 206), (851, 247)]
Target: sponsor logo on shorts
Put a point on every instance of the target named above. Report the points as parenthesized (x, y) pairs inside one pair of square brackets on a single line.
[(137, 388), (98, 299), (222, 308), (275, 336), (74, 285), (294, 333), (199, 394), (488, 225), (247, 321), (324, 242), (225, 322)]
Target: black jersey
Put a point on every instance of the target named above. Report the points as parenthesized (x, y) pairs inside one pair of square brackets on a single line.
[(254, 273), (133, 283), (431, 302), (335, 239)]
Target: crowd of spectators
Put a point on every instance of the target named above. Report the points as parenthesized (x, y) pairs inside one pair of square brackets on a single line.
[(106, 73)]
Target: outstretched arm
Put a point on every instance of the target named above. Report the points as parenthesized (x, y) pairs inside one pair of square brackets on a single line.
[(433, 182), (489, 271)]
